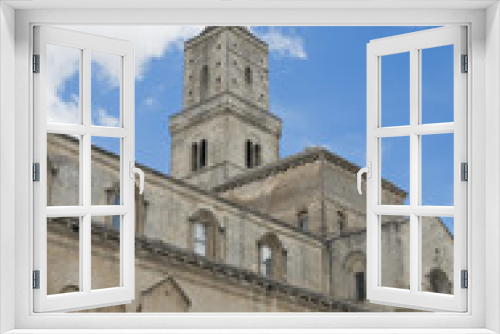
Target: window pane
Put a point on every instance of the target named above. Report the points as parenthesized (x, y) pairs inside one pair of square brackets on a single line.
[(437, 169), (437, 254), (63, 84), (395, 89), (63, 255), (395, 168), (105, 260), (200, 238), (395, 252), (63, 170), (266, 261), (105, 91), (437, 84), (106, 171)]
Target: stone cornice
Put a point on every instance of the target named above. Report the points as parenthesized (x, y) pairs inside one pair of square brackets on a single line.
[(308, 156), (157, 250), (221, 103)]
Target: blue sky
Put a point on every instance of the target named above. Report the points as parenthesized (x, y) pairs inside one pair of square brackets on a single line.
[(317, 86)]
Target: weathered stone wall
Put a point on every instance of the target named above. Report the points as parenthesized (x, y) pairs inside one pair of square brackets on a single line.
[(349, 257), (437, 254), (319, 186), (171, 204), (245, 52), (227, 53), (284, 195), (167, 282), (226, 136)]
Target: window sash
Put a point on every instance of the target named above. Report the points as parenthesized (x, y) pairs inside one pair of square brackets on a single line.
[(86, 297), (413, 43)]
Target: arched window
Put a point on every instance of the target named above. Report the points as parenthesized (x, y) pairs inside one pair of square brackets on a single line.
[(204, 80), (205, 234), (249, 154), (303, 220), (272, 257), (355, 268), (248, 75), (360, 286), (194, 157), (200, 238)]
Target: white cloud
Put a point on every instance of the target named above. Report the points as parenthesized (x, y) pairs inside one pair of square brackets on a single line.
[(149, 101), (105, 119), (149, 42), (61, 63), (283, 45)]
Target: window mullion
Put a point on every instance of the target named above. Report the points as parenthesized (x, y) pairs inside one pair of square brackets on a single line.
[(415, 167), (85, 161)]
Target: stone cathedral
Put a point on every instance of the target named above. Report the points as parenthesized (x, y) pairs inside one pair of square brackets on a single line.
[(234, 227)]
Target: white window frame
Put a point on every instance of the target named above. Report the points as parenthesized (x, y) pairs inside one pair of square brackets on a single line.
[(87, 297), (483, 21), (414, 43)]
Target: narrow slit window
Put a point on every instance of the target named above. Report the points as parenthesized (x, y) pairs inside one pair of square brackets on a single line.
[(203, 153), (194, 157)]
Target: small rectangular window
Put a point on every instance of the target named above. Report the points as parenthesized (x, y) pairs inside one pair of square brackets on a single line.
[(249, 154), (194, 157), (203, 153)]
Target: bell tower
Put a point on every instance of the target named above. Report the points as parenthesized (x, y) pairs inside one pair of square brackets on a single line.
[(225, 127)]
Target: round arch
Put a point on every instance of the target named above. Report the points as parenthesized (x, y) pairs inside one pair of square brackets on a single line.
[(278, 256), (213, 232), (355, 269)]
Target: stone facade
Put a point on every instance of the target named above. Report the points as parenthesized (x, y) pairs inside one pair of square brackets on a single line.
[(304, 208)]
